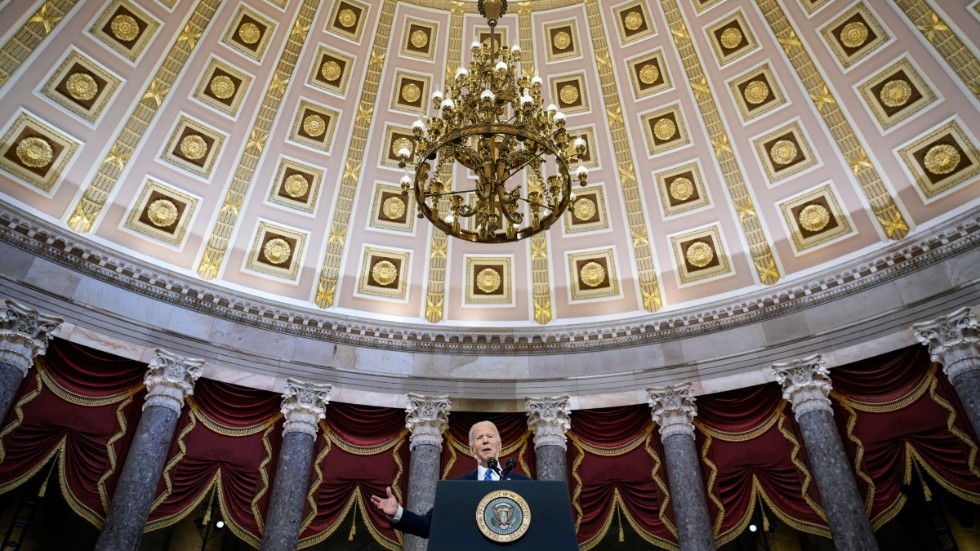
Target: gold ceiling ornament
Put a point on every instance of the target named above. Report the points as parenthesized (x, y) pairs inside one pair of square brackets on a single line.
[(731, 38), (347, 18), (400, 143), (895, 93), (222, 87), (584, 209), (592, 274), (411, 92), (783, 152), (756, 92), (561, 40), (681, 189), (124, 27), (814, 217), (330, 70), (649, 73), (664, 129), (419, 38), (314, 125), (35, 152), (940, 159), (384, 272), (393, 208), (854, 34), (162, 213), (249, 33), (193, 147), (700, 254), (488, 280), (296, 185), (491, 120), (82, 86), (568, 94), (277, 250), (633, 21)]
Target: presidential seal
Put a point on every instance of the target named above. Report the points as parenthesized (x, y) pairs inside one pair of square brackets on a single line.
[(503, 516)]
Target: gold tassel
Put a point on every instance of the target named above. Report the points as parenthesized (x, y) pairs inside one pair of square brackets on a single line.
[(765, 522), (353, 525), (44, 485), (619, 520), (926, 492), (207, 512)]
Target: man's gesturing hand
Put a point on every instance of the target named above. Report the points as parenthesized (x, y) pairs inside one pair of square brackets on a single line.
[(387, 505)]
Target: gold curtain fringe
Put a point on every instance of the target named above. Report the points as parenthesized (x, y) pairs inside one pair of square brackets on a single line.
[(710, 486), (951, 426), (894, 405), (612, 452), (19, 412), (745, 436), (794, 458), (225, 430), (859, 469), (364, 450), (658, 480), (264, 475), (181, 451), (78, 399), (111, 451)]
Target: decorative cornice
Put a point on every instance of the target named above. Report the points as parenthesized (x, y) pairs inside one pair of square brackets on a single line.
[(549, 419), (75, 252), (806, 383), (673, 409), (953, 341), (24, 334), (170, 379), (427, 417), (303, 405)]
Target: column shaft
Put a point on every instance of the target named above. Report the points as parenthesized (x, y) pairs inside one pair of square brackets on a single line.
[(687, 494), (130, 506), (552, 463), (423, 474), (835, 482), (10, 380), (967, 385), (292, 484)]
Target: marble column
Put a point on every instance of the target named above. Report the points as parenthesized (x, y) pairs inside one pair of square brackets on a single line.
[(303, 405), (549, 419), (24, 334), (427, 417), (169, 380), (954, 342), (674, 411), (806, 385)]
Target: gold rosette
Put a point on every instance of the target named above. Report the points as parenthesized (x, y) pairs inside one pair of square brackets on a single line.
[(488, 280), (592, 274), (814, 217), (277, 250), (700, 254), (384, 272)]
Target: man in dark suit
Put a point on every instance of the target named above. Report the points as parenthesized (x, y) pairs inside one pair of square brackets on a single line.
[(484, 445)]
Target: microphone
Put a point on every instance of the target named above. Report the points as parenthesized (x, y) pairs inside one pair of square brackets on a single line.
[(493, 466), (510, 467)]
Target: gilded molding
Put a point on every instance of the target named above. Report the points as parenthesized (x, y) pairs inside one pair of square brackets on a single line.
[(947, 43), (953, 341), (549, 418), (170, 379), (806, 384), (241, 182), (427, 417), (29, 37), (304, 405), (340, 226), (882, 203), (626, 167), (762, 256), (24, 334)]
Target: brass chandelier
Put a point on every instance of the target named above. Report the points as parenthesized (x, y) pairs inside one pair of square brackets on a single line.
[(492, 121)]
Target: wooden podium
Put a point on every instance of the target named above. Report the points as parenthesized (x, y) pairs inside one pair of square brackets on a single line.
[(476, 515)]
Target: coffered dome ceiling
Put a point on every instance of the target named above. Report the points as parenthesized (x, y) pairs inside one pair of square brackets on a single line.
[(733, 146)]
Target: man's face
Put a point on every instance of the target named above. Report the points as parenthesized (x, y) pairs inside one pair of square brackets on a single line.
[(485, 443)]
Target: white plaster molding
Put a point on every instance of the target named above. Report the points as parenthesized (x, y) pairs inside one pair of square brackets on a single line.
[(24, 334), (673, 409), (170, 379), (806, 383), (549, 418), (953, 341), (427, 417), (303, 405)]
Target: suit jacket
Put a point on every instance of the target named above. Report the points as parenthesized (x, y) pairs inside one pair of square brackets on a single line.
[(418, 525)]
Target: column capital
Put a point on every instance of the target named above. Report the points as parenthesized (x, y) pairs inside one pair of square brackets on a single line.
[(953, 341), (673, 409), (303, 405), (170, 379), (24, 334), (549, 418), (806, 383), (427, 417)]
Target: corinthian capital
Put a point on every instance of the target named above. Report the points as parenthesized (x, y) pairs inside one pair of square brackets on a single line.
[(303, 405), (24, 334), (673, 409), (170, 379), (427, 418), (549, 419), (953, 341), (806, 383)]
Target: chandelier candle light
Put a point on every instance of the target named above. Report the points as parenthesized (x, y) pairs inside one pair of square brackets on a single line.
[(491, 121)]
